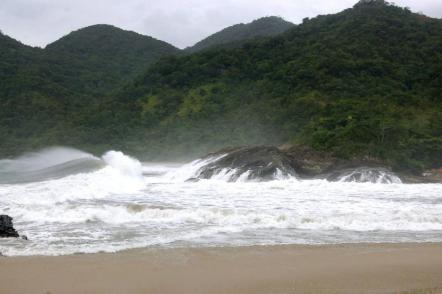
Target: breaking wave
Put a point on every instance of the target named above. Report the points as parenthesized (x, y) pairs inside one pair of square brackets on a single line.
[(191, 170), (366, 175), (50, 163), (196, 170), (59, 162), (126, 165), (68, 201)]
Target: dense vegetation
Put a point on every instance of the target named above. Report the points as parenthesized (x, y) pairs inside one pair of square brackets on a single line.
[(44, 92), (365, 82), (102, 57), (236, 35), (50, 96)]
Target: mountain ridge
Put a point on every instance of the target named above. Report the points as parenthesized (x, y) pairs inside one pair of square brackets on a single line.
[(49, 92), (42, 89), (234, 35), (114, 55), (361, 83)]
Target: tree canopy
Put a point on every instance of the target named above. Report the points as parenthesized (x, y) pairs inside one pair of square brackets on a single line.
[(364, 82)]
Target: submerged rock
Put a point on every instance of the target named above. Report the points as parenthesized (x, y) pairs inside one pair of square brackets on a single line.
[(6, 227), (260, 163), (374, 175)]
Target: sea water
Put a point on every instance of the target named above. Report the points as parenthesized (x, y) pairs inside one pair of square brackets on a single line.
[(68, 201)]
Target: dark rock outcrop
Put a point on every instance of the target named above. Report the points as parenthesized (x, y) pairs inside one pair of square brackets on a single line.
[(429, 177), (262, 163), (309, 162), (6, 227), (266, 163), (320, 164)]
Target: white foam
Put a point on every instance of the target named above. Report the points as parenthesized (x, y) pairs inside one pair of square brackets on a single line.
[(375, 176), (193, 169), (117, 208), (190, 170), (128, 166), (123, 174)]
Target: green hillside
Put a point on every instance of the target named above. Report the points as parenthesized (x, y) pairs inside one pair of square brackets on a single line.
[(44, 91), (237, 34), (28, 100), (104, 57), (364, 82)]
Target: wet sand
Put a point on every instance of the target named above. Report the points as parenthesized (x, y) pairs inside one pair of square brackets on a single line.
[(363, 268)]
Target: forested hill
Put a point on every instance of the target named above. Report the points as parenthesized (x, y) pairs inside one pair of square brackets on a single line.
[(13, 54), (42, 91), (49, 96), (105, 56), (365, 82), (94, 59), (237, 34)]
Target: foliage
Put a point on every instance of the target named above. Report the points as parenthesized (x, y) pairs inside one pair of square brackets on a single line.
[(363, 82), (46, 93), (236, 35)]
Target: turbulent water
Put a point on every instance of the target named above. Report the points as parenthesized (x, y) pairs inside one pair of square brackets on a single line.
[(67, 201)]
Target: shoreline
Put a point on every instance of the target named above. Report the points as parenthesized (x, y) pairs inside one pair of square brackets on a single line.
[(162, 248), (338, 268)]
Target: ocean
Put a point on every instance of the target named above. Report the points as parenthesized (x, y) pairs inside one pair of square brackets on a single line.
[(67, 201)]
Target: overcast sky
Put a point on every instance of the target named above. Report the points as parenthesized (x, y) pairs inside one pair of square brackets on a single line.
[(179, 22)]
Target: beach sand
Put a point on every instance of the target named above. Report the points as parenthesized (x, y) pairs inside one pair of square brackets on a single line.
[(363, 268)]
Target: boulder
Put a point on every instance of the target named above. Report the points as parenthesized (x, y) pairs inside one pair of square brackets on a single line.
[(261, 163), (6, 227)]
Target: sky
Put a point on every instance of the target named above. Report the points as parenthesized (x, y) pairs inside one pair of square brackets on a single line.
[(179, 22)]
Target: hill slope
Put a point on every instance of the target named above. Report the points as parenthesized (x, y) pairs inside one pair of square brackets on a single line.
[(263, 27), (27, 96), (104, 56), (43, 92), (363, 82)]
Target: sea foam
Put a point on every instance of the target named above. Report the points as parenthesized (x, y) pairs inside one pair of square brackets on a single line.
[(126, 204)]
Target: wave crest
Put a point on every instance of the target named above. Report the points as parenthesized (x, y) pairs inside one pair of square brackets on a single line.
[(49, 163), (125, 164), (59, 162)]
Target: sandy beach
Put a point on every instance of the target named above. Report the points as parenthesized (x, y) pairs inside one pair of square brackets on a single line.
[(362, 268)]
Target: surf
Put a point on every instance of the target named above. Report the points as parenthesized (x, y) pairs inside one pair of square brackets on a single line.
[(59, 162), (121, 203), (50, 163)]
